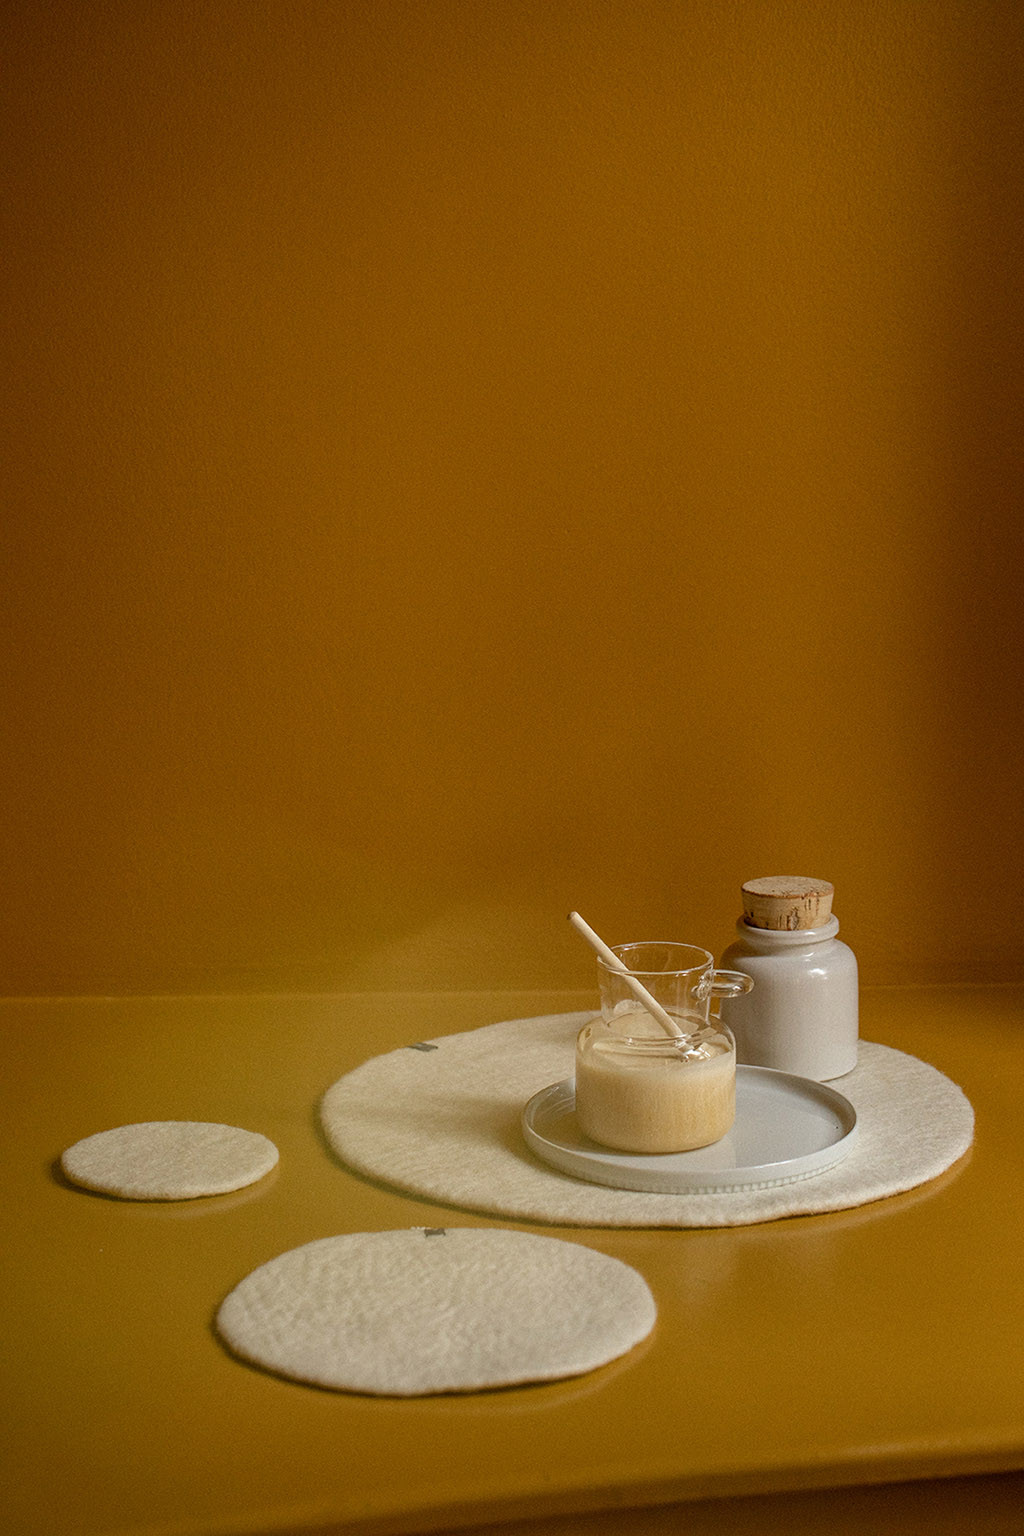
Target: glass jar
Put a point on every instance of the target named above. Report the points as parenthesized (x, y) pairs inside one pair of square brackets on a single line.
[(641, 1089)]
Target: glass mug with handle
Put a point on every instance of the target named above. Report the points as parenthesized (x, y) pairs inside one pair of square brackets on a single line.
[(665, 1081)]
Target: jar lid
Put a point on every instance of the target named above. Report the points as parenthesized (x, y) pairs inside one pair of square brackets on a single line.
[(787, 902)]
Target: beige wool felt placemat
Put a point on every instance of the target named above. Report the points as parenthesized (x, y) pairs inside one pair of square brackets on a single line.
[(169, 1160), (436, 1309), (440, 1119)]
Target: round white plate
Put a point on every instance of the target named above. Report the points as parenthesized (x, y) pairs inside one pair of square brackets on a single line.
[(786, 1128)]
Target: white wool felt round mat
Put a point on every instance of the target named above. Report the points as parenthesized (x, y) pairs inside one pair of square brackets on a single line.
[(453, 1309), (169, 1160), (441, 1120)]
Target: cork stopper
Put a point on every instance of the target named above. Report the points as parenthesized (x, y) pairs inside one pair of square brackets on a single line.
[(787, 902)]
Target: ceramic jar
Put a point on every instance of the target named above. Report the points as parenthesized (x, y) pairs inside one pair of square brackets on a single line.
[(802, 1015)]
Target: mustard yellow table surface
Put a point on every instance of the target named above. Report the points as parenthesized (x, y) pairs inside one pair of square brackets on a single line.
[(882, 1345)]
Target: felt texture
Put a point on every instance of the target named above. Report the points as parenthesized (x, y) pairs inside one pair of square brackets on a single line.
[(440, 1119), (434, 1310), (169, 1160)]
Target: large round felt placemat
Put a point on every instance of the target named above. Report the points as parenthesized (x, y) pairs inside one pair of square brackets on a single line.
[(440, 1119)]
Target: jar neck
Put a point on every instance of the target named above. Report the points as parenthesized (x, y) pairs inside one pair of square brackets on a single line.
[(769, 939)]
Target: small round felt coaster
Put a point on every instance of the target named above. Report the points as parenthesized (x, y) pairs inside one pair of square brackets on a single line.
[(431, 1310), (169, 1160), (441, 1119)]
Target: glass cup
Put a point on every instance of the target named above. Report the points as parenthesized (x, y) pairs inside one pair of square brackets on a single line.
[(640, 1088)]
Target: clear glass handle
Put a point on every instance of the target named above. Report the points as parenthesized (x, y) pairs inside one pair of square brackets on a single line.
[(730, 983)]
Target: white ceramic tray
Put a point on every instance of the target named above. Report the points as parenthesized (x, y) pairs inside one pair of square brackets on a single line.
[(786, 1128)]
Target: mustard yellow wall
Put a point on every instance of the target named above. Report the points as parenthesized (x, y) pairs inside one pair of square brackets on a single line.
[(472, 458)]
